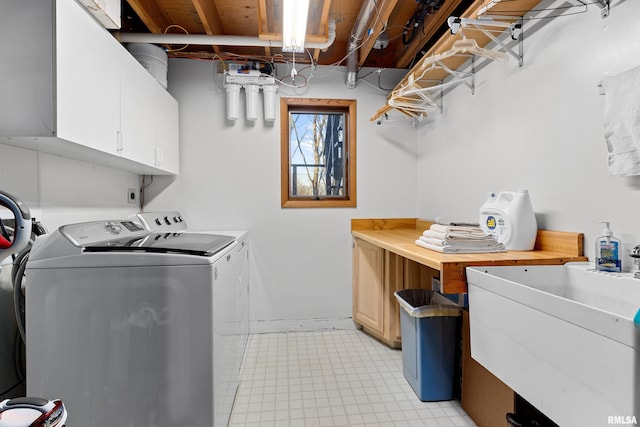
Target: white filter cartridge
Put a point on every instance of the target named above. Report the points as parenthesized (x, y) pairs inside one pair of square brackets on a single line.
[(270, 102), (251, 92), (233, 101)]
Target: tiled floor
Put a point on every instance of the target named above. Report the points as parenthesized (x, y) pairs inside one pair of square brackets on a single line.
[(331, 378)]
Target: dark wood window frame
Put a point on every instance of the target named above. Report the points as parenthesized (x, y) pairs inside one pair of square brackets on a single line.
[(320, 105)]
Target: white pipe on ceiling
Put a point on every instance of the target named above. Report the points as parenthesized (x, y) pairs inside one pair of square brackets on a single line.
[(218, 40)]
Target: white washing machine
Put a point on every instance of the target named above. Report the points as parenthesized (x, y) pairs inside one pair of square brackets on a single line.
[(122, 324)]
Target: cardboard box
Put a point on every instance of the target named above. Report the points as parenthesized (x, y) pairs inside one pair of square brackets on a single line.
[(485, 398)]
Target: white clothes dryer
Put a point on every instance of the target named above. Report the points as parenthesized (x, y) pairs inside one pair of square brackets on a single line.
[(120, 323), (231, 308)]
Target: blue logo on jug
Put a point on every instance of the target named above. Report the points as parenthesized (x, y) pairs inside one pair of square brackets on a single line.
[(491, 222)]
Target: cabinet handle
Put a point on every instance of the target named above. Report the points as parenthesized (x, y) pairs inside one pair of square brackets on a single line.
[(158, 156), (119, 142)]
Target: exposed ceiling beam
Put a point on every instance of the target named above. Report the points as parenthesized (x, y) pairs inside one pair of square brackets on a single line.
[(380, 18), (209, 16), (150, 14), (210, 19), (324, 24), (241, 18), (265, 10), (431, 25)]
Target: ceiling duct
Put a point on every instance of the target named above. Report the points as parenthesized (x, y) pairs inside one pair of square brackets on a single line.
[(357, 36)]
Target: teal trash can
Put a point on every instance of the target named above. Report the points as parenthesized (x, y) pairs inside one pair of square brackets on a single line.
[(429, 327)]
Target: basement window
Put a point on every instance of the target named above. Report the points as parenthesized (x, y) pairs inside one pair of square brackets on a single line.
[(318, 152)]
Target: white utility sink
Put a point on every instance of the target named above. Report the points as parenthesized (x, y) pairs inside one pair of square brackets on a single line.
[(562, 337)]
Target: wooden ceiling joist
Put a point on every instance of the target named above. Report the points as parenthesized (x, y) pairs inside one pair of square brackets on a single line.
[(324, 23), (150, 14), (210, 18), (427, 31), (263, 18), (384, 9)]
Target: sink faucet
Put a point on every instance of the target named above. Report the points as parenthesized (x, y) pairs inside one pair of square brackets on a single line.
[(635, 254)]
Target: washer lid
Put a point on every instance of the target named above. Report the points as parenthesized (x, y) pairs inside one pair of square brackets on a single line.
[(181, 243)]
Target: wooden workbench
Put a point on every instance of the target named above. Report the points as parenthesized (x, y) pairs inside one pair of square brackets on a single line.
[(386, 259), (398, 236)]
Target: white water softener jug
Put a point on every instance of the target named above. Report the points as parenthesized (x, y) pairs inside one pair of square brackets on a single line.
[(509, 216)]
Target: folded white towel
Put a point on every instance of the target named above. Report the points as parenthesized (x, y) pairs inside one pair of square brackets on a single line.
[(457, 249), (432, 234), (622, 122), (469, 243), (442, 221), (432, 241), (459, 231)]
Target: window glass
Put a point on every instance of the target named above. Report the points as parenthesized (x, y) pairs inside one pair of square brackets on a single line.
[(318, 152)]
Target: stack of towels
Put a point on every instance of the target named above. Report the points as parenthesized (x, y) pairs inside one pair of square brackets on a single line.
[(458, 238)]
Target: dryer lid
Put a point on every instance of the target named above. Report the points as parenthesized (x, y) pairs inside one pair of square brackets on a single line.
[(181, 243)]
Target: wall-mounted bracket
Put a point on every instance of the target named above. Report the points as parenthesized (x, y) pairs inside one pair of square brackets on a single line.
[(438, 84), (488, 25), (460, 76), (604, 6)]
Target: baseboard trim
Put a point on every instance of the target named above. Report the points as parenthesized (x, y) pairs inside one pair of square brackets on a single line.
[(300, 325)]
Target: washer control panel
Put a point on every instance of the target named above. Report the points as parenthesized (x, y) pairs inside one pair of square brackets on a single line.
[(88, 233), (161, 222)]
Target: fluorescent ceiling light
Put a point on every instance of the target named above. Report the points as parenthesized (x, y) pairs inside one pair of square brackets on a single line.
[(294, 24)]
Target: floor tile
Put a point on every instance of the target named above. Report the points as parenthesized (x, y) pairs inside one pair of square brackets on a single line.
[(331, 378)]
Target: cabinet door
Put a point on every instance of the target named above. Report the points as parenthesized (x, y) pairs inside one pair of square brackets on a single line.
[(167, 136), (394, 278), (87, 80), (368, 285), (26, 104), (138, 112)]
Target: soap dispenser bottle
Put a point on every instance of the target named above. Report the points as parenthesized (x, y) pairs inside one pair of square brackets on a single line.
[(608, 251)]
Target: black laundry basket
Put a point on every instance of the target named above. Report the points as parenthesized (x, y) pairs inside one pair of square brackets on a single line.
[(428, 324)]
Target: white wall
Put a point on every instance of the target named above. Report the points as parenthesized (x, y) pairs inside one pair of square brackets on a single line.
[(539, 127), (230, 179), (59, 191)]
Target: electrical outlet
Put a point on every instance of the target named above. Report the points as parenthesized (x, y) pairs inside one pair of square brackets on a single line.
[(132, 195)]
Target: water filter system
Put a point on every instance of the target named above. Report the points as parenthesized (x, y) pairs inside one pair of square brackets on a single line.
[(510, 218), (252, 81)]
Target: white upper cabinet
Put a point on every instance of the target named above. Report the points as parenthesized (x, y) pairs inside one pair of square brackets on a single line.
[(73, 90), (87, 80)]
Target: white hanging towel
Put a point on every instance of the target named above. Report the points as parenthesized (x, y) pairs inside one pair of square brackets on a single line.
[(622, 122)]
